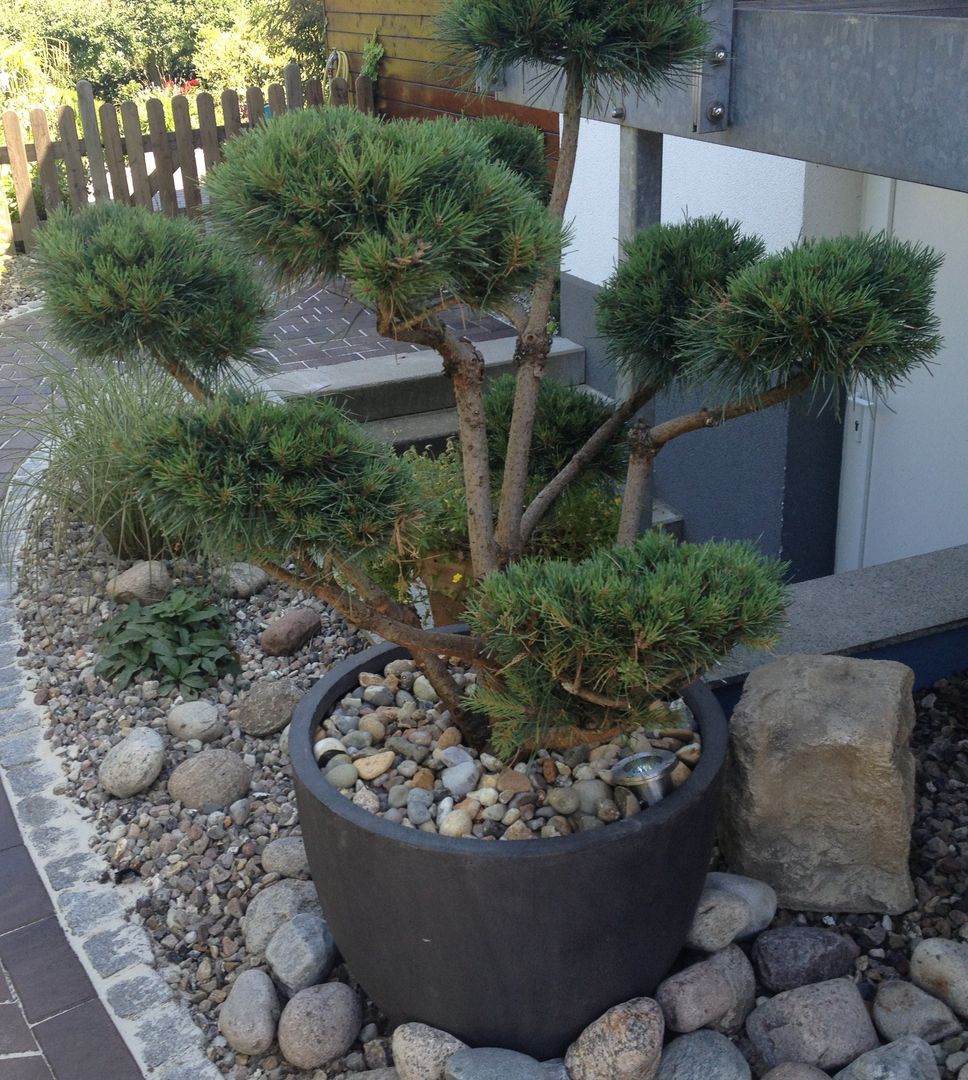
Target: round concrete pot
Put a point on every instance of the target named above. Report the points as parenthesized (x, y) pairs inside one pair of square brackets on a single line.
[(514, 944)]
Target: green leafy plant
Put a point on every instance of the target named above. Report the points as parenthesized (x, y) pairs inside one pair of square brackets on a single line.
[(373, 53), (122, 284), (184, 640), (520, 146)]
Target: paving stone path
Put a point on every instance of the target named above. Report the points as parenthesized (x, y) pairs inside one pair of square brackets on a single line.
[(53, 1022)]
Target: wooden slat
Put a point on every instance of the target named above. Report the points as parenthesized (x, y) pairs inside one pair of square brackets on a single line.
[(208, 130), (46, 160), (92, 141), (277, 99), (255, 106), (161, 148), (340, 92), (293, 82), (314, 93), (6, 226), (71, 149), (365, 22), (400, 7), (114, 153), (21, 176), (181, 115), (134, 144), (230, 113), (364, 94)]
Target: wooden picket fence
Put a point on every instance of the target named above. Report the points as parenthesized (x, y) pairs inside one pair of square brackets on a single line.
[(115, 161)]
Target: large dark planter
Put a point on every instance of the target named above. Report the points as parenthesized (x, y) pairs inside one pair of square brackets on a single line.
[(512, 944)]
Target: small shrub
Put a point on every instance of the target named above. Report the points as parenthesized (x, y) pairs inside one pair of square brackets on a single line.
[(184, 640), (519, 146)]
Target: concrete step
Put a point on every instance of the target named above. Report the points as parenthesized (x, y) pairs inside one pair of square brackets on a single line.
[(405, 385)]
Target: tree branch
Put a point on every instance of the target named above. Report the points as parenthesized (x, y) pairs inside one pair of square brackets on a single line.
[(641, 455), (597, 441)]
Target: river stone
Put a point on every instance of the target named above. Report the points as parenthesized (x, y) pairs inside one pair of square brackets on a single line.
[(210, 780), (248, 1017), (909, 1058), (319, 1025), (706, 1055), (421, 1052), (564, 800), (793, 956), (941, 967), (731, 908), (733, 965), (242, 580), (591, 794), (274, 906), (268, 706), (288, 633), (902, 1009), (819, 785), (148, 582), (694, 998), (623, 1044), (301, 952), (285, 857), (794, 1070), (195, 720), (133, 764), (825, 1025), (489, 1063)]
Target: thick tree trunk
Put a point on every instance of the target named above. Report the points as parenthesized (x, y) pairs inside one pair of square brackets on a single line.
[(533, 347), (641, 455)]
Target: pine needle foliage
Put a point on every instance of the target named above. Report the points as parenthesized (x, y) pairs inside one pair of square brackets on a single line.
[(519, 146), (638, 47), (833, 311), (121, 283), (265, 481), (632, 625), (410, 213), (668, 272)]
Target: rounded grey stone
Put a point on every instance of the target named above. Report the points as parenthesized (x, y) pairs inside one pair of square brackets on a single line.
[(133, 764), (487, 1063), (461, 779), (343, 775), (274, 906), (826, 1025), (210, 780), (564, 800), (940, 966), (694, 998), (301, 952), (248, 1016), (704, 1055), (319, 1025), (793, 1070), (624, 1043), (195, 720), (379, 695), (242, 580), (423, 691), (421, 1052), (268, 706), (732, 907), (903, 1009), (909, 1058), (286, 857), (793, 956), (147, 581)]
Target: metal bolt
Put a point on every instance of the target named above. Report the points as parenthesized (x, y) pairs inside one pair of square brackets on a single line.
[(716, 111), (718, 55), (618, 113)]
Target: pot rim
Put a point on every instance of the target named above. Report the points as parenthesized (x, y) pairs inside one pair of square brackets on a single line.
[(335, 683)]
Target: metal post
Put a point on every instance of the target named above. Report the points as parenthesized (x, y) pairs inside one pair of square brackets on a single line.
[(639, 206)]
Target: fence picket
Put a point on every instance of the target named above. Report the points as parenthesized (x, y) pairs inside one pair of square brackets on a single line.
[(92, 140), (135, 148), (6, 226), (255, 106), (208, 130), (21, 176), (339, 92), (293, 82), (230, 113), (46, 160), (71, 150), (161, 148), (277, 99), (114, 153), (364, 94), (314, 93), (185, 144)]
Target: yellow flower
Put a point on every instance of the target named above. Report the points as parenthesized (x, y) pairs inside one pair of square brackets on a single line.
[(457, 577)]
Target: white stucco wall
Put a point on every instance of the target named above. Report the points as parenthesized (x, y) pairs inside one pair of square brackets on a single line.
[(593, 204)]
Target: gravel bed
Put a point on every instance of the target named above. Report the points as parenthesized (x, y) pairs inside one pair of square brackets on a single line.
[(17, 293), (194, 874)]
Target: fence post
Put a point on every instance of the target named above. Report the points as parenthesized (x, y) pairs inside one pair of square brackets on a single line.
[(255, 106), (277, 99), (71, 148), (314, 93), (364, 94), (46, 164), (135, 147), (293, 81), (21, 177), (6, 227), (160, 146), (208, 130), (185, 144), (230, 113), (339, 92), (92, 140), (114, 153)]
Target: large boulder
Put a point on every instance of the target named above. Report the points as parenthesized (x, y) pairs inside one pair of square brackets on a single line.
[(210, 780), (819, 791)]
